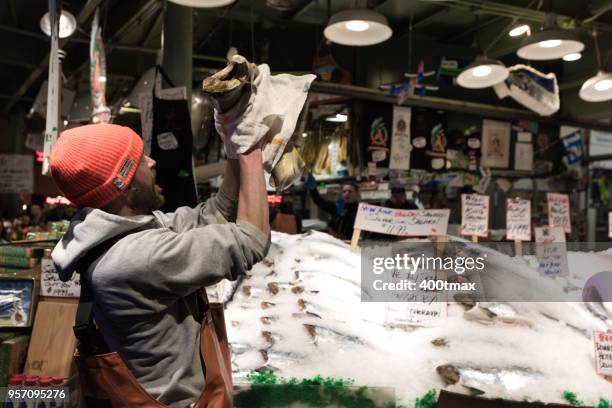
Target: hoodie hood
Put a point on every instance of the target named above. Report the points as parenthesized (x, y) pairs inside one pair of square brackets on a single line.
[(89, 228)]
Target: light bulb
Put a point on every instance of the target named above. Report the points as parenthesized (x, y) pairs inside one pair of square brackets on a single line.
[(603, 85), (357, 25), (102, 78), (550, 43), (481, 71), (520, 30), (574, 56)]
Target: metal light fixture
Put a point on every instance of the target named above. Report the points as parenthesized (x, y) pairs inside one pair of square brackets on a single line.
[(482, 73), (67, 24), (203, 3), (550, 43), (519, 30), (358, 27), (599, 87)]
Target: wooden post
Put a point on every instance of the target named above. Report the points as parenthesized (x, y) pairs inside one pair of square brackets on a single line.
[(518, 248), (355, 238), (474, 238), (440, 241)]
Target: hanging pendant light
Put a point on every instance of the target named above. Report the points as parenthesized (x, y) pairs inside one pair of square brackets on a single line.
[(203, 3), (599, 87), (358, 27), (550, 43), (482, 73), (67, 24)]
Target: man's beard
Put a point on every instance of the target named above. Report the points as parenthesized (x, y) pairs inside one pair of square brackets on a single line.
[(144, 199)]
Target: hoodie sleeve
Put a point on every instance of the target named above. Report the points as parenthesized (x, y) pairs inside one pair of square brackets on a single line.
[(181, 263), (219, 209)]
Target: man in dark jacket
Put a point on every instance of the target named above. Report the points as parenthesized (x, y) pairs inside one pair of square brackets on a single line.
[(398, 200), (343, 212)]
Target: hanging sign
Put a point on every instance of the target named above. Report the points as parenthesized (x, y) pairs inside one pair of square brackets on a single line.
[(475, 215), (402, 222), (551, 251), (55, 86), (559, 211), (51, 285), (603, 353), (16, 173), (145, 101), (400, 139), (518, 219)]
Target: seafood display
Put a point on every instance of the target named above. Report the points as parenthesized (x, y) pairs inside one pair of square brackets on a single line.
[(300, 313)]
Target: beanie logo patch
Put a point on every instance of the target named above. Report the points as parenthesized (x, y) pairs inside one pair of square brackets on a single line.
[(120, 184), (125, 169)]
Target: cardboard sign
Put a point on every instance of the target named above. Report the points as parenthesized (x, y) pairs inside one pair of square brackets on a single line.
[(16, 173), (551, 251), (410, 223), (603, 352), (559, 211), (418, 307), (518, 219), (51, 285), (400, 139), (475, 215)]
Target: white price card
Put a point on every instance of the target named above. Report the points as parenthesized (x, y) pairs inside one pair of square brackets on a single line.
[(518, 219), (551, 251), (409, 223), (51, 285), (475, 215), (559, 211), (603, 352)]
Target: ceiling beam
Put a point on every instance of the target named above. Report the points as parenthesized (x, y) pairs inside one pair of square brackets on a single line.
[(219, 23), (299, 8), (522, 13), (403, 28), (154, 28), (83, 15)]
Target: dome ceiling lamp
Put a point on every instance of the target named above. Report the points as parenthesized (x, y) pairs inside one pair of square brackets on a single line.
[(483, 72), (203, 3), (598, 88), (67, 24), (358, 26), (550, 43)]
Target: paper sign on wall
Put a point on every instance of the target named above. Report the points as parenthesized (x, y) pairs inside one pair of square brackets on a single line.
[(402, 222), (51, 285), (603, 352), (559, 211), (475, 215), (400, 139), (551, 251), (16, 173), (518, 219), (495, 143)]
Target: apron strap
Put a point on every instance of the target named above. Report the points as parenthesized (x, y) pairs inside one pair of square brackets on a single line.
[(85, 330)]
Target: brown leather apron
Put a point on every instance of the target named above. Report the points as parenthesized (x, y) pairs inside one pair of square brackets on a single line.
[(106, 377), (105, 380)]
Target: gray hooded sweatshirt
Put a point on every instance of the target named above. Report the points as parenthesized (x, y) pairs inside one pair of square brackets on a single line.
[(144, 287)]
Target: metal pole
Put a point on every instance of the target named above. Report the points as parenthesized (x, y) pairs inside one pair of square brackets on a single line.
[(177, 45)]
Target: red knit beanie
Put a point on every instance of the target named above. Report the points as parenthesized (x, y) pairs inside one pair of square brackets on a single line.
[(93, 164)]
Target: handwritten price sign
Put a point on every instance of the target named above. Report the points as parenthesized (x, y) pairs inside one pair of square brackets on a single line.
[(559, 211), (475, 215), (410, 223), (518, 219), (551, 251), (603, 352), (51, 285)]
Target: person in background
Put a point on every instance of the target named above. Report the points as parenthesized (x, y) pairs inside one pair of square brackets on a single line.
[(36, 216), (399, 201), (285, 218), (343, 212)]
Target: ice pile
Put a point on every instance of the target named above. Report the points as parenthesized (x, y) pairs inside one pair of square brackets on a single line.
[(299, 313)]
